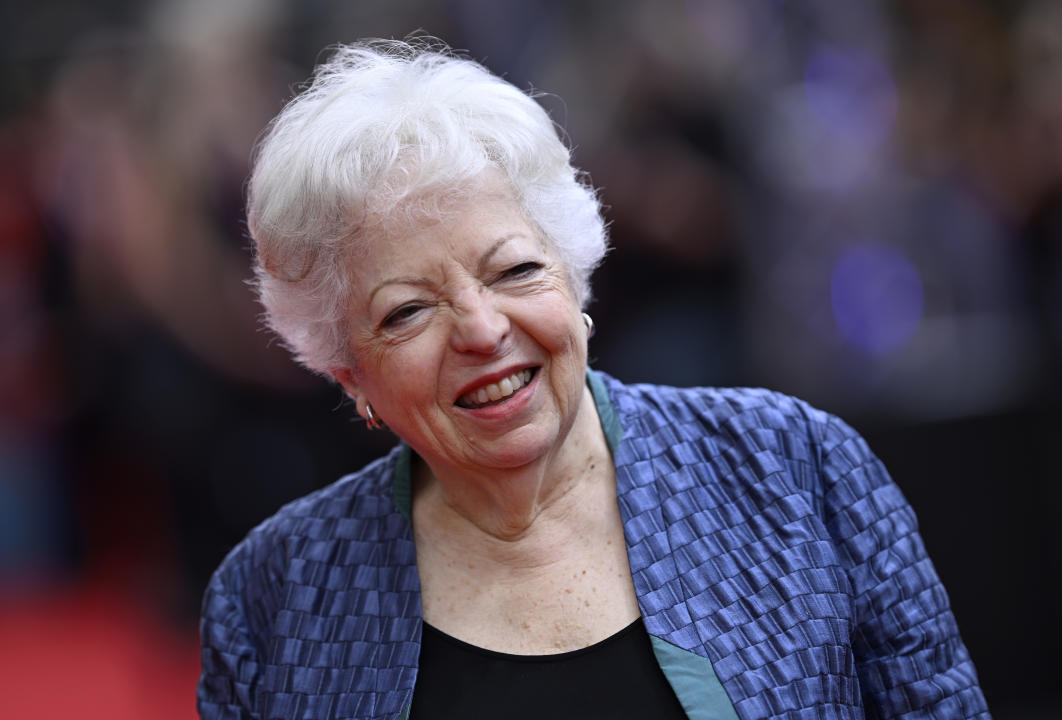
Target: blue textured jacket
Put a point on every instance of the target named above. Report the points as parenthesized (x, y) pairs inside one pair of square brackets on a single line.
[(778, 569)]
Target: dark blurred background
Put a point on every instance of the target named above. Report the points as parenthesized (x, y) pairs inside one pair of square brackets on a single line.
[(859, 203)]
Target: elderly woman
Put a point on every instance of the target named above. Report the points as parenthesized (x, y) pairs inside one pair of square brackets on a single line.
[(544, 541)]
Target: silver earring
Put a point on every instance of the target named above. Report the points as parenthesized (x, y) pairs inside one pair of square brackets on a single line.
[(372, 420), (589, 325)]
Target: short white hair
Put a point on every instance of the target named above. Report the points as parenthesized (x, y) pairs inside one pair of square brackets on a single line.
[(382, 124)]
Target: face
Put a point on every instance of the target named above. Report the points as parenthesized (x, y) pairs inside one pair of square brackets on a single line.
[(467, 338)]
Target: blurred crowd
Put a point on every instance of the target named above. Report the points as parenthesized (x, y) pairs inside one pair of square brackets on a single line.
[(858, 203)]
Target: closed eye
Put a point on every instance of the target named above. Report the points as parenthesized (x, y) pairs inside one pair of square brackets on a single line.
[(522, 270), (400, 315)]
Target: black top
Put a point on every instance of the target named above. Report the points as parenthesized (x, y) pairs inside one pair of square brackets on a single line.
[(615, 678)]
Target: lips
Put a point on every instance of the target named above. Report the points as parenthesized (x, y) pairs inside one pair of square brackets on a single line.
[(496, 392)]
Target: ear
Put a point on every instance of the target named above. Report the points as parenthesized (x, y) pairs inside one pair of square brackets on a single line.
[(345, 377)]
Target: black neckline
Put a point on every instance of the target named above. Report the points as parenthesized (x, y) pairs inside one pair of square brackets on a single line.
[(550, 657)]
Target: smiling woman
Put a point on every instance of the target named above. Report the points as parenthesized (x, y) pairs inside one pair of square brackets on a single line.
[(544, 541), (469, 305)]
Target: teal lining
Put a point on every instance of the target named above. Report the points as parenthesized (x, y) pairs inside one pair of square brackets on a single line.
[(605, 412), (694, 681), (403, 484)]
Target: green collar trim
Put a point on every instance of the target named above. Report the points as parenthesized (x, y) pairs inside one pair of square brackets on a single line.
[(403, 486), (606, 413), (694, 681)]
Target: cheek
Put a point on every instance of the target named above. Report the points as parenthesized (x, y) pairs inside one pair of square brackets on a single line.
[(567, 343), (384, 373)]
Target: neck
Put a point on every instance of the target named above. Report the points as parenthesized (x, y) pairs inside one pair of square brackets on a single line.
[(507, 505)]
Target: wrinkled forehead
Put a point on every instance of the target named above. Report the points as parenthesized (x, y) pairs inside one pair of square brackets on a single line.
[(395, 210)]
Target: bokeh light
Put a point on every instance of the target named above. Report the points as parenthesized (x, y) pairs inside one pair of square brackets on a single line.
[(877, 297)]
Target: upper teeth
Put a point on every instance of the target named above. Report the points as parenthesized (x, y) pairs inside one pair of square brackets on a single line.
[(496, 391)]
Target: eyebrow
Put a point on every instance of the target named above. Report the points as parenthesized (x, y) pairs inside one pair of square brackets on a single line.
[(424, 282), (482, 266), (408, 280)]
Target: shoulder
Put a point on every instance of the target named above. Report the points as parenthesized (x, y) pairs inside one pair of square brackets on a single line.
[(738, 436), (363, 495), (297, 580), (737, 411), (357, 506)]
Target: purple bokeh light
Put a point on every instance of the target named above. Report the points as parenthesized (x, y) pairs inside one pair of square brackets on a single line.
[(830, 132), (852, 94), (877, 297)]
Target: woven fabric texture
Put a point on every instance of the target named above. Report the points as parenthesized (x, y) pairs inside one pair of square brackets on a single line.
[(762, 534)]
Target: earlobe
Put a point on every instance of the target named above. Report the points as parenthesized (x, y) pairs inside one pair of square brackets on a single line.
[(345, 377)]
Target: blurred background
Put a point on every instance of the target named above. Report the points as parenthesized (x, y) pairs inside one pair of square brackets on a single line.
[(858, 203)]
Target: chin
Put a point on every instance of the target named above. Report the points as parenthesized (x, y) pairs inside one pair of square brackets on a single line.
[(518, 449)]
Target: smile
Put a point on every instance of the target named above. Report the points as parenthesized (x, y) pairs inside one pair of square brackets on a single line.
[(497, 392)]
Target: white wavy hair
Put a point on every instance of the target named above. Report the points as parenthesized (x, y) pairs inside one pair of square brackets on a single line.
[(383, 125)]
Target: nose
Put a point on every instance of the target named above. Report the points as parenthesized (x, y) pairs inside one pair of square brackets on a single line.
[(479, 325)]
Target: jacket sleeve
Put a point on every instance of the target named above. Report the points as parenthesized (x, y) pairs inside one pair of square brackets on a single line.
[(910, 660), (230, 661)]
